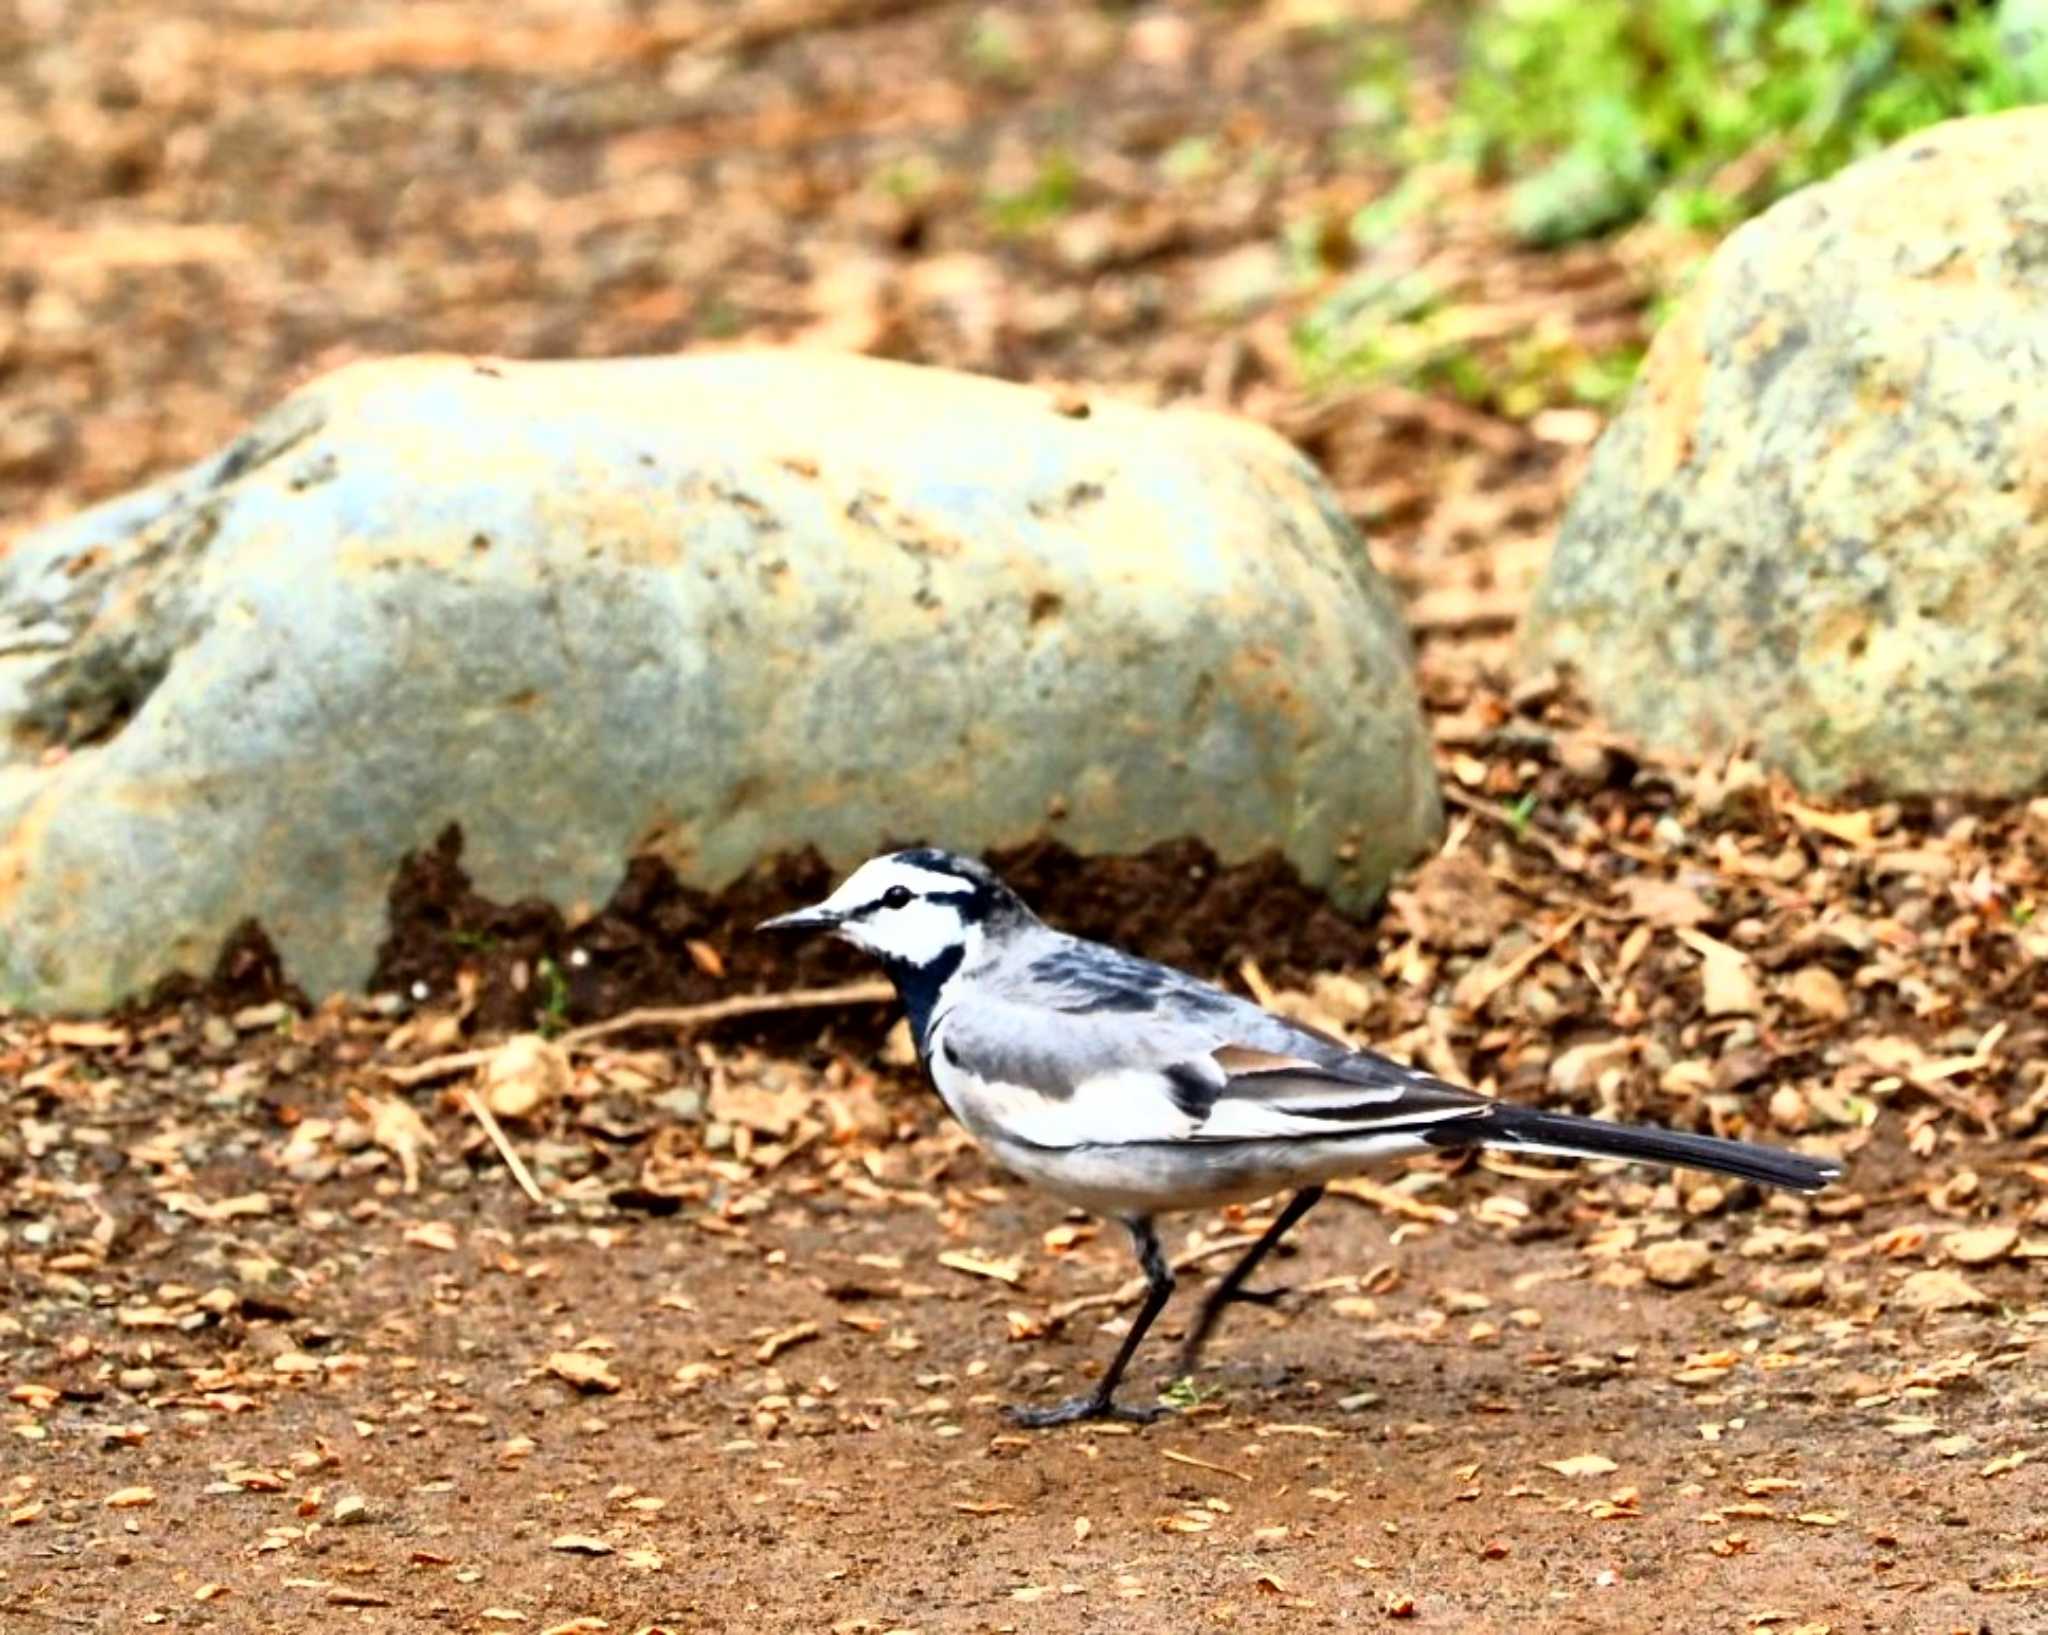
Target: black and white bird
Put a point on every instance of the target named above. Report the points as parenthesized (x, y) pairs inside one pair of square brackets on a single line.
[(1131, 1089)]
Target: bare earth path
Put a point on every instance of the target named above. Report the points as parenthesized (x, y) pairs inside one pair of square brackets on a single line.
[(252, 1381), (450, 1411)]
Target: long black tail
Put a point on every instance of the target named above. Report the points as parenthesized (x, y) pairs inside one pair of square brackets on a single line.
[(1566, 1134)]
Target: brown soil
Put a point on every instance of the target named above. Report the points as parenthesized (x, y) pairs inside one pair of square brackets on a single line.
[(1357, 1458), (283, 1347), (1172, 902)]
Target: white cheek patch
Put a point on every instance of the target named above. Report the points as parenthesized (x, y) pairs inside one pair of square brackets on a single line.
[(919, 932)]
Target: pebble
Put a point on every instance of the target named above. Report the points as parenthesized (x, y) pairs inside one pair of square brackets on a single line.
[(684, 1106), (1678, 1263), (1807, 1286)]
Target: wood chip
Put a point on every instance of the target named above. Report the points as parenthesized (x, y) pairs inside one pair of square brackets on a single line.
[(775, 1344), (1009, 1270), (584, 1370), (89, 1036)]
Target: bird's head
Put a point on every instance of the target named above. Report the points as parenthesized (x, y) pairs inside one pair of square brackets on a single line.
[(914, 908)]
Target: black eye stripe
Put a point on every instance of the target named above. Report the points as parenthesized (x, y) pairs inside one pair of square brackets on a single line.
[(903, 896)]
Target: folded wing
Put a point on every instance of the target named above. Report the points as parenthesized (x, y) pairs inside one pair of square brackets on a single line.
[(1100, 1080)]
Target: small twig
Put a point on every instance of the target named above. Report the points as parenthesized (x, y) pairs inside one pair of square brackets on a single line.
[(1510, 972), (680, 1017), (1203, 1464), (495, 1131), (718, 1010), (1565, 859), (1134, 1290), (1391, 1199), (438, 1067), (774, 1345)]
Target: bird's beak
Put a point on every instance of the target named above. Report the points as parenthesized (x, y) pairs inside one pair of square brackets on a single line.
[(819, 918)]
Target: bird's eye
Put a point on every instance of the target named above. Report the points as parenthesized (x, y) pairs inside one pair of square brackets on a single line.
[(896, 897)]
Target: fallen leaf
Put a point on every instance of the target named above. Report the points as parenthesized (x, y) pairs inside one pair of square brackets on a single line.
[(129, 1498), (767, 1112), (580, 1544), (398, 1128), (1819, 992), (1664, 902), (1728, 982), (1582, 1464), (1980, 1246), (1008, 1270), (525, 1074), (1857, 829), (1940, 1290)]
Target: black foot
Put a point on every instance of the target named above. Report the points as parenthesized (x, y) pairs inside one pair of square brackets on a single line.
[(1076, 1409), (1191, 1353)]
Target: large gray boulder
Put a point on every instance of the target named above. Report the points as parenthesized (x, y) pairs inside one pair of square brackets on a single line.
[(709, 608), (1821, 523)]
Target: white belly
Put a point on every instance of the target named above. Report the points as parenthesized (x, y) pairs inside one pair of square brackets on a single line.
[(1153, 1178)]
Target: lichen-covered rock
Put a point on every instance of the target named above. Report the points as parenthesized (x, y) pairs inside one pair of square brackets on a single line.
[(709, 609), (1821, 524)]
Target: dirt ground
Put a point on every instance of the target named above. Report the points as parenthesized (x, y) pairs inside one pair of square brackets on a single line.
[(284, 1346)]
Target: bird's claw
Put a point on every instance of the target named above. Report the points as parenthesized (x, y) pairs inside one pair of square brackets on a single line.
[(1261, 1297), (1077, 1409)]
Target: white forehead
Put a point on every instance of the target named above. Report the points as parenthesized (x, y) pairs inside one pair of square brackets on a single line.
[(874, 878)]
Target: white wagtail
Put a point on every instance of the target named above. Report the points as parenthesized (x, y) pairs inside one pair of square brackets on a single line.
[(1130, 1088)]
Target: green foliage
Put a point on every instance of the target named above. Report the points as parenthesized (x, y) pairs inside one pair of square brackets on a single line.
[(1048, 196), (1403, 330), (552, 1012), (995, 50), (1691, 113), (1183, 1393), (1698, 112)]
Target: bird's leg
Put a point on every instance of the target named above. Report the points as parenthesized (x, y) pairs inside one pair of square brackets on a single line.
[(1231, 1287), (1101, 1402)]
